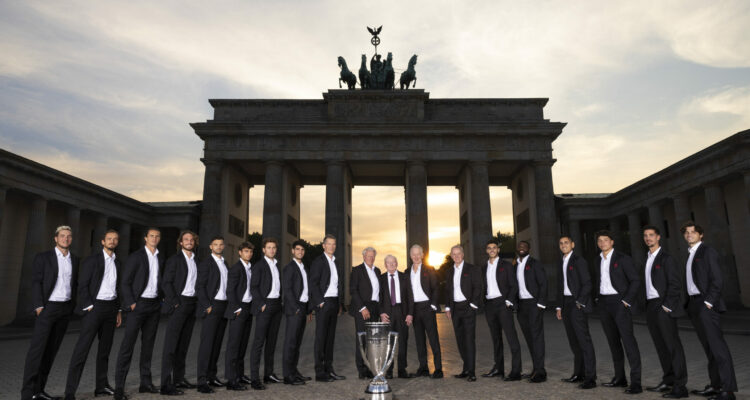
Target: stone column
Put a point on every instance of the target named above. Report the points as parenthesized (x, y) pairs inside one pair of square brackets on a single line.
[(717, 235), (73, 220), (616, 229), (37, 240), (273, 210), (656, 218), (574, 230), (3, 194), (747, 190), (636, 238), (338, 217), (547, 248), (211, 206), (681, 203), (99, 228), (123, 248), (416, 207), (481, 214)]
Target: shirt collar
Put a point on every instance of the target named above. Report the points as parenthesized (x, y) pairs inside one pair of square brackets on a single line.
[(567, 257), (392, 273), (270, 261), (217, 258), (371, 267), (246, 265), (522, 260), (149, 251), (60, 254), (419, 267), (107, 256), (299, 264), (601, 254), (331, 258), (492, 264), (654, 254), (692, 249), (192, 255), (459, 266)]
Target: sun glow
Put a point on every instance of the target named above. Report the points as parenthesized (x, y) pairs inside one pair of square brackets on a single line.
[(435, 258)]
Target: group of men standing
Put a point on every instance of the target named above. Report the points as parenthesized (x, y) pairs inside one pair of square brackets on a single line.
[(105, 293)]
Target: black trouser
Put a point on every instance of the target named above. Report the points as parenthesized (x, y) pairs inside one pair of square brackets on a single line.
[(325, 334), (426, 323), (239, 335), (398, 324), (708, 327), (49, 331), (295, 329), (177, 341), (663, 330), (617, 322), (99, 322), (499, 320), (530, 318), (266, 333), (464, 319), (145, 319), (359, 326), (212, 335), (577, 329)]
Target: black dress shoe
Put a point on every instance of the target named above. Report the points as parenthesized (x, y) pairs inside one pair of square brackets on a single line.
[(723, 396), (120, 395), (438, 374), (707, 391), (216, 383), (272, 378), (323, 378), (538, 378), (462, 375), (676, 393), (472, 378), (493, 373), (615, 383), (150, 388), (205, 389), (422, 372), (634, 390), (661, 387), (245, 380), (171, 392), (337, 377), (69, 397), (293, 381), (587, 385), (184, 384), (302, 377), (105, 391), (45, 396), (402, 374), (573, 379), (236, 386), (526, 376), (257, 385), (512, 377)]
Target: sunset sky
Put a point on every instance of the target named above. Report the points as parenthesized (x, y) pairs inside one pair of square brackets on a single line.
[(105, 90)]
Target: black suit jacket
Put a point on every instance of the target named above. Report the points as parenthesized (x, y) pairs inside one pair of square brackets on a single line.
[(430, 286), (320, 279), (707, 276), (360, 287), (471, 285), (261, 281), (505, 278), (624, 278), (44, 277), (579, 281), (666, 279), (292, 286), (236, 288), (207, 284), (174, 280), (90, 280), (407, 299), (135, 277), (536, 280)]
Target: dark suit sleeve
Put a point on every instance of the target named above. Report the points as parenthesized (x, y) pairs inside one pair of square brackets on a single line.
[(541, 280), (715, 281), (409, 294), (316, 295), (634, 281), (84, 280), (674, 284), (37, 281), (201, 281), (126, 285), (255, 280), (287, 284), (476, 283), (513, 281), (582, 269), (167, 282), (357, 302), (234, 295)]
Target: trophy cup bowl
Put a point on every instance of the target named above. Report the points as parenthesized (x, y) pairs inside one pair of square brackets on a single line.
[(377, 344)]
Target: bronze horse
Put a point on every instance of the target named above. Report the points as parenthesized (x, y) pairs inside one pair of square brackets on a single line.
[(410, 74), (346, 75)]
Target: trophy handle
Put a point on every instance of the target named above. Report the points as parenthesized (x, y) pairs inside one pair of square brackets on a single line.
[(362, 344), (392, 346)]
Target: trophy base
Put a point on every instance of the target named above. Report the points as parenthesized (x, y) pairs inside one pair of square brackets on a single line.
[(380, 396), (378, 387)]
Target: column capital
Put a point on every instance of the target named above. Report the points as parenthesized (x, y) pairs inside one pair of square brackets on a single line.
[(546, 162), (478, 163), (274, 162), (415, 163), (335, 162), (212, 161)]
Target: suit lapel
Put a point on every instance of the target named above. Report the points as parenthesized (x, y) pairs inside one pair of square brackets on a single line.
[(53, 264)]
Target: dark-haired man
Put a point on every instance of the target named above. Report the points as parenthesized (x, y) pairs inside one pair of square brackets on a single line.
[(574, 289), (617, 289), (180, 298), (240, 315), (704, 283), (53, 287), (532, 300), (265, 286), (98, 304), (364, 287), (141, 298), (296, 300)]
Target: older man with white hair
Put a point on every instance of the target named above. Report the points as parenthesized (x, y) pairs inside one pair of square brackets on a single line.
[(365, 292), (397, 308)]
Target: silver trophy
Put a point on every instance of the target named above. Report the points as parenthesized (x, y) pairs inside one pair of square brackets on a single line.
[(377, 345)]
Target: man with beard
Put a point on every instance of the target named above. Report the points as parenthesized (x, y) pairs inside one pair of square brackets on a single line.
[(297, 310), (532, 300)]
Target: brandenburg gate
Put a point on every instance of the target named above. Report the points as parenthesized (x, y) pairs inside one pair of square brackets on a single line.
[(385, 138)]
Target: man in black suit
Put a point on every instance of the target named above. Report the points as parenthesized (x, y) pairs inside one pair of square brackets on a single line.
[(211, 287), (99, 306), (326, 294), (180, 298), (424, 287), (463, 294), (501, 289), (296, 300), (265, 287), (574, 291), (617, 288), (532, 300), (141, 298), (364, 288), (663, 305), (53, 287), (240, 316), (704, 283), (397, 308)]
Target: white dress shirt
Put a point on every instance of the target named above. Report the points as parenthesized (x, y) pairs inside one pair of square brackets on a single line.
[(458, 295), (333, 283), (397, 286), (605, 286), (63, 290), (275, 292), (108, 287), (566, 289), (523, 293), (493, 291), (416, 285), (374, 282), (222, 293), (692, 288), (189, 290), (304, 297), (247, 297), (152, 286), (651, 292)]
